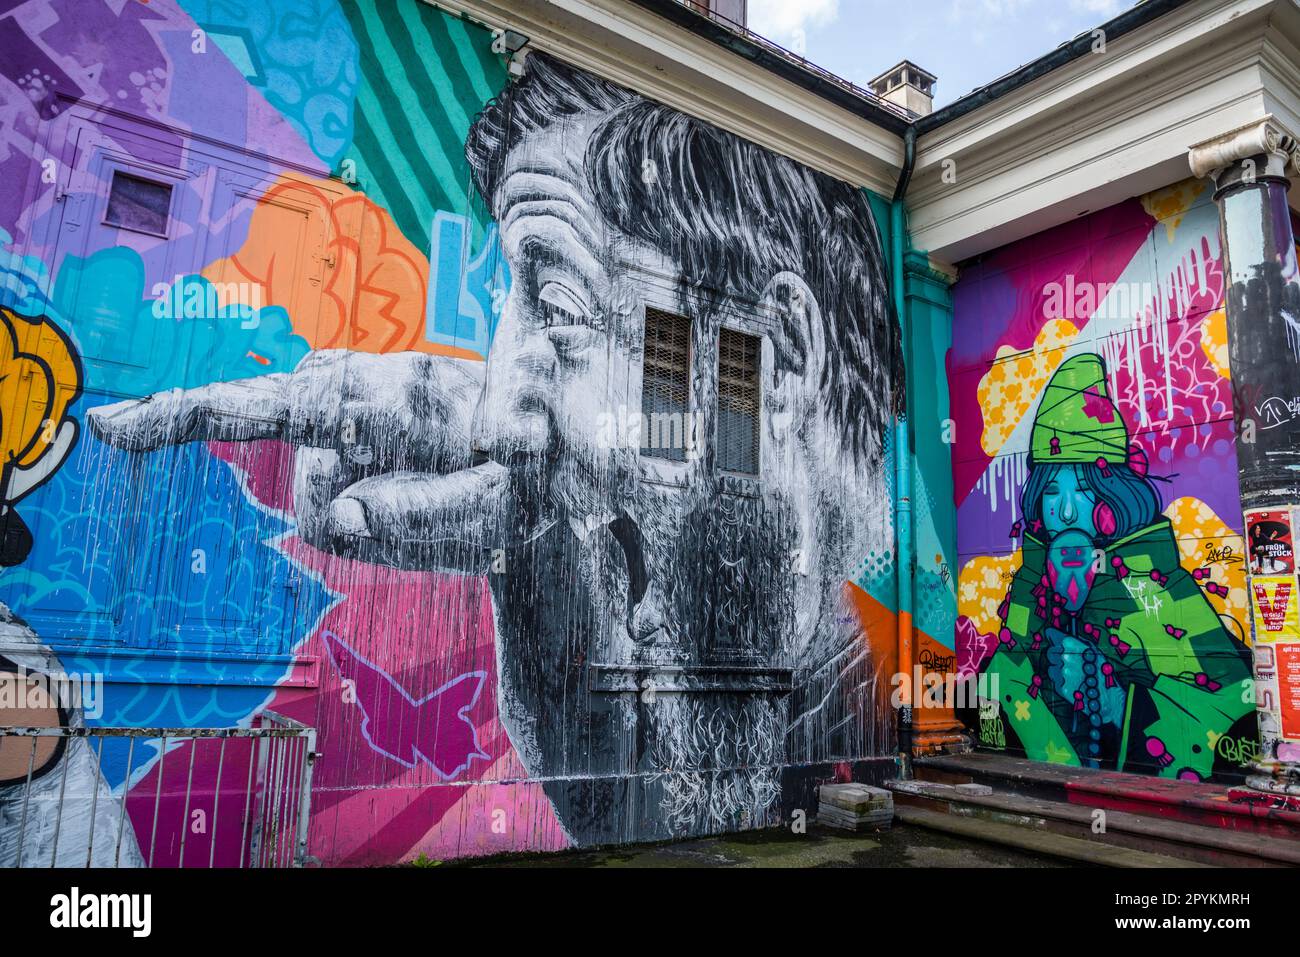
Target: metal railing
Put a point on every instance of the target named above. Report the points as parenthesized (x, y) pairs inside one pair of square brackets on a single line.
[(200, 797)]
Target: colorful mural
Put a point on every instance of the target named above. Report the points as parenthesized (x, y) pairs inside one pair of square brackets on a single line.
[(42, 377), (1102, 577), (314, 315)]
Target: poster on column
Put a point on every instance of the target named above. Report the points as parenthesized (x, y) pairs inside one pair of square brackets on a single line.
[(1268, 534), (1288, 680), (1273, 600)]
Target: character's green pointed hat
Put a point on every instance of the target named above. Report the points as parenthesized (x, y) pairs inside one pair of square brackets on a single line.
[(1077, 421)]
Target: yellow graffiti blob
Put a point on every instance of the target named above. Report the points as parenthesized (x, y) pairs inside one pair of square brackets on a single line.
[(1204, 541), (1214, 341), (1170, 205), (1015, 381), (40, 378), (981, 586)]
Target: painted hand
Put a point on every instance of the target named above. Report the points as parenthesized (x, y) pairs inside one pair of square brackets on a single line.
[(1058, 644), (382, 450)]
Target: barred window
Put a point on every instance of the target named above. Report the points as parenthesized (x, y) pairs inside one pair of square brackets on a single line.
[(738, 402), (666, 386)]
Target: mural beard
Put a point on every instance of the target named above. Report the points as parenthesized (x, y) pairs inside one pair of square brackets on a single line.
[(697, 580), (641, 577), (719, 766)]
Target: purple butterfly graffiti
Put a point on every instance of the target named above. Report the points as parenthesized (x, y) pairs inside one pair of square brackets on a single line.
[(434, 728)]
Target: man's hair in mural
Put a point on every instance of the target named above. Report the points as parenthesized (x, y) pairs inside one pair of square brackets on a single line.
[(732, 214), (1133, 499)]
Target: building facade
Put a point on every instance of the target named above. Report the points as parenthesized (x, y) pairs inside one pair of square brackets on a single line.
[(598, 426)]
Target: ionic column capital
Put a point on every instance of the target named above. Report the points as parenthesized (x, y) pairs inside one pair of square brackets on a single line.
[(1264, 137)]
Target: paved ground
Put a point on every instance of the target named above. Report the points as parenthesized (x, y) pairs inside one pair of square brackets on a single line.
[(901, 846)]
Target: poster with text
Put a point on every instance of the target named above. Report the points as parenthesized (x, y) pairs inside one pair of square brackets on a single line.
[(1268, 538), (1273, 600), (1288, 679)]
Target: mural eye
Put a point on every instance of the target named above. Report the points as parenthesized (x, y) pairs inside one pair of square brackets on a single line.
[(563, 308)]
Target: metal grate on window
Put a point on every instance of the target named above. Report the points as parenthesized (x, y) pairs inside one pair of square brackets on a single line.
[(738, 402), (666, 386)]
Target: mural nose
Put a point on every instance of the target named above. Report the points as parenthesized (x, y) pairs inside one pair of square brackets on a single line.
[(513, 420), (512, 431)]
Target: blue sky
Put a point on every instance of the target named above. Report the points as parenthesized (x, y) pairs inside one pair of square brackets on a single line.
[(966, 43)]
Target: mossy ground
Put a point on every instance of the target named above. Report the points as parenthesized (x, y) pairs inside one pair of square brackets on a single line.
[(899, 846)]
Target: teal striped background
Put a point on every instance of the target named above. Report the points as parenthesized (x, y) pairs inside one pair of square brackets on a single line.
[(425, 75)]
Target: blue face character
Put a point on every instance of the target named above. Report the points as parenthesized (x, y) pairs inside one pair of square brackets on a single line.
[(1067, 504), (1067, 513)]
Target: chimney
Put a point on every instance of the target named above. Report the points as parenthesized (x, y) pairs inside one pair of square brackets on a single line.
[(733, 13), (908, 86)]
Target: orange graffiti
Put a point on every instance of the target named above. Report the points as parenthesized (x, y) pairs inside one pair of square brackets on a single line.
[(373, 285)]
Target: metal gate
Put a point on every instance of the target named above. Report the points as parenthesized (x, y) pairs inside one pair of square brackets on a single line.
[(225, 797)]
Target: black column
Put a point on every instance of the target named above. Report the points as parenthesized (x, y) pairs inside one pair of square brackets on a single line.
[(1263, 309)]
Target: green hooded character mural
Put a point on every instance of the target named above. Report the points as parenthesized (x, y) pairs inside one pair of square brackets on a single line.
[(1109, 655)]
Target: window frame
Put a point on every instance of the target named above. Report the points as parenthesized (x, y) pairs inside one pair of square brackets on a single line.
[(120, 169), (661, 290)]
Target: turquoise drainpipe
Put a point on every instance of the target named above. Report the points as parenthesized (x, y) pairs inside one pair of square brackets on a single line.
[(904, 548)]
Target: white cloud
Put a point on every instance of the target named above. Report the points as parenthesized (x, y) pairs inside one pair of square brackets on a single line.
[(788, 21)]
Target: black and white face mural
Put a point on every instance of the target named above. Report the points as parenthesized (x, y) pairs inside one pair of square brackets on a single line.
[(671, 637)]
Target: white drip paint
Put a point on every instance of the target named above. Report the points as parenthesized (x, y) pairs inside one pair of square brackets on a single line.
[(1003, 479), (1172, 300)]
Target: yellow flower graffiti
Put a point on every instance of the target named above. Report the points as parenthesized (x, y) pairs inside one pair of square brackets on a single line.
[(1009, 390)]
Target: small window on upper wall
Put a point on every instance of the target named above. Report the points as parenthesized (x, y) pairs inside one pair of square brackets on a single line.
[(139, 204), (666, 386), (739, 402)]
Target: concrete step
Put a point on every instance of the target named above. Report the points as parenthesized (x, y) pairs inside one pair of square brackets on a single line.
[(1035, 840), (1196, 843), (1201, 803)]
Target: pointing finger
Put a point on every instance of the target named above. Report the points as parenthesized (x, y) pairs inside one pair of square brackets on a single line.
[(419, 520), (237, 411)]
